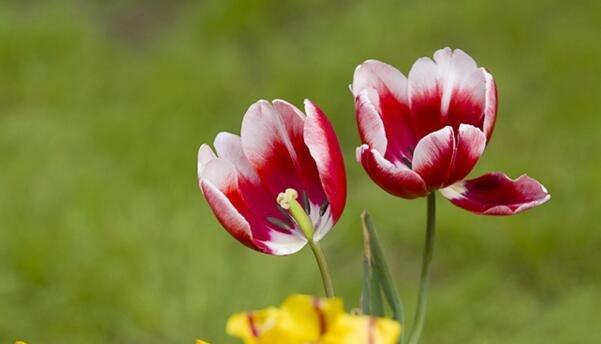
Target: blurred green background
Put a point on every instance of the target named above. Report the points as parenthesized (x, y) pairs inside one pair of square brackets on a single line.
[(105, 238)]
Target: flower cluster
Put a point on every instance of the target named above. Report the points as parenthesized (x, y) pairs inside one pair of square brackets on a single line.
[(281, 185)]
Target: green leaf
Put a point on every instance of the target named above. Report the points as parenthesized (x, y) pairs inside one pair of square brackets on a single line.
[(380, 266), (371, 296)]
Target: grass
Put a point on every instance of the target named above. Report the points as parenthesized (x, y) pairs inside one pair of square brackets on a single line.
[(104, 236)]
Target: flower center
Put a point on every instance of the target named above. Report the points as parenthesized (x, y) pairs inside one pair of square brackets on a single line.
[(288, 201)]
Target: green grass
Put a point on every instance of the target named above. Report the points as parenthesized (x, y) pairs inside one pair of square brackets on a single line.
[(104, 236)]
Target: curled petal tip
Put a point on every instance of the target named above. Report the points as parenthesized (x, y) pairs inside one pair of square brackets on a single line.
[(310, 107), (205, 154)]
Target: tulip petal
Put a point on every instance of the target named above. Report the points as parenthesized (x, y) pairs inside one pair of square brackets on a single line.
[(450, 90), (311, 317), (220, 186), (272, 140), (381, 87), (256, 196), (306, 167), (464, 88), (323, 145), (396, 179), (425, 93), (252, 326), (215, 189), (267, 146), (496, 194), (205, 154), (433, 157), (371, 127), (229, 147), (470, 146), (382, 77), (363, 329), (490, 110)]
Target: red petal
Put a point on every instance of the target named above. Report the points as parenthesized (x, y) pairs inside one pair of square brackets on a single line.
[(470, 146), (382, 77), (383, 88), (396, 179), (228, 216), (324, 148), (306, 168), (433, 157), (371, 127), (496, 194), (450, 90), (272, 140), (219, 184), (256, 196), (425, 93), (490, 110)]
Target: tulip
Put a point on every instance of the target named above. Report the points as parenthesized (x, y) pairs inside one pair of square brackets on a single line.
[(305, 319), (281, 184), (427, 132)]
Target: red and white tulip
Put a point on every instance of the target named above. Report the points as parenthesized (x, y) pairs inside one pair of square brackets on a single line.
[(279, 148), (427, 131)]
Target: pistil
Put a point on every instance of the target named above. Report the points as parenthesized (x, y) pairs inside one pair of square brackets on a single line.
[(288, 201)]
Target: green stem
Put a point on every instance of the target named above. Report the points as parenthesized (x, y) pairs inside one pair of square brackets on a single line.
[(323, 268), (422, 298)]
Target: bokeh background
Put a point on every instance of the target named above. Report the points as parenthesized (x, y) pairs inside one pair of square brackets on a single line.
[(105, 238)]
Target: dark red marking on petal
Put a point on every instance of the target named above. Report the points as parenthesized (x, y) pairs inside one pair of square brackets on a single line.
[(321, 318), (251, 324), (371, 329)]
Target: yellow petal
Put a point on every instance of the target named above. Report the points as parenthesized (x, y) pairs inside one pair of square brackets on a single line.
[(20, 342), (198, 341), (356, 329), (251, 326), (309, 318)]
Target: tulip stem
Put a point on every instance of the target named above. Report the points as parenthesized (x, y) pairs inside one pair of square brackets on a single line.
[(422, 297), (323, 268)]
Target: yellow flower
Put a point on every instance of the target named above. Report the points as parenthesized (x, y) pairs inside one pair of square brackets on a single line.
[(304, 319)]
